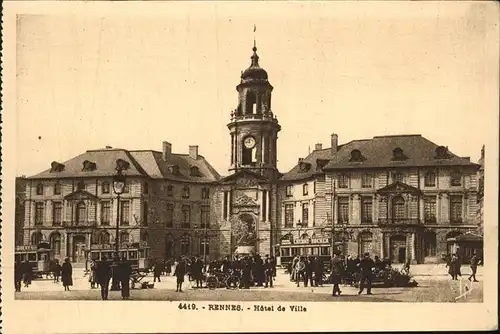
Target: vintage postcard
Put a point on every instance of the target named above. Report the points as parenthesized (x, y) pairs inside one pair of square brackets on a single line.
[(249, 166)]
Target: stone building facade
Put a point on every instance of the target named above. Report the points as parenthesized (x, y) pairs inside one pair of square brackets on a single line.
[(398, 197)]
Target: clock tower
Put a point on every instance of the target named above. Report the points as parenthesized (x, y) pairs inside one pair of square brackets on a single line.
[(253, 127)]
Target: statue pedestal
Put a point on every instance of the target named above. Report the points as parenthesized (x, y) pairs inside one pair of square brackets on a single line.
[(245, 250)]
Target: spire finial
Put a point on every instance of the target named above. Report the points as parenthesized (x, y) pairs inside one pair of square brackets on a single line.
[(254, 43), (255, 57)]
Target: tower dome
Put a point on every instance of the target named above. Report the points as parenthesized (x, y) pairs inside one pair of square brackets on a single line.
[(254, 72)]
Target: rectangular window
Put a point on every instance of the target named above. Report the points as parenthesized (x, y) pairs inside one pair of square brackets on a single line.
[(185, 192), (39, 211), (39, 189), (295, 251), (170, 215), (430, 209), (289, 191), (325, 250), (456, 179), (204, 246), (205, 193), (430, 179), (456, 209), (285, 251), (288, 215), (57, 213), (125, 213), (186, 216), (343, 210), (305, 189), (305, 214), (105, 212), (57, 188), (366, 210), (126, 189), (343, 181), (366, 181), (314, 187), (105, 188), (170, 191), (205, 216)]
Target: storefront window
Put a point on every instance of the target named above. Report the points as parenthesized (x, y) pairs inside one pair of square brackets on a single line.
[(325, 250), (295, 251), (285, 251)]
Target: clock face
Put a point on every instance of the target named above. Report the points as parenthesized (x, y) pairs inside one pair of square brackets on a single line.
[(249, 142)]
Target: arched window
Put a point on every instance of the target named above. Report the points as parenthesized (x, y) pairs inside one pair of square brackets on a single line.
[(251, 103), (36, 238), (55, 243), (398, 208), (39, 189), (356, 156), (398, 155), (81, 212), (430, 179), (57, 188)]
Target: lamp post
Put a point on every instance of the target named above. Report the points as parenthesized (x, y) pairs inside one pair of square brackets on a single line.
[(118, 188)]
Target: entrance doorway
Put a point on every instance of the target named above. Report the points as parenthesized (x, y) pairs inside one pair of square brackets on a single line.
[(398, 249), (79, 246)]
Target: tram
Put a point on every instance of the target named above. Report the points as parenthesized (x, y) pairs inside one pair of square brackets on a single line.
[(136, 253), (39, 256), (321, 248)]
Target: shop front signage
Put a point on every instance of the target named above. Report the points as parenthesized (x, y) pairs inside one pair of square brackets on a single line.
[(308, 241), (26, 248)]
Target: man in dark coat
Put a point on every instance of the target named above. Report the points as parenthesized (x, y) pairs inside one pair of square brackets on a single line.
[(309, 271), (27, 271), (18, 275), (125, 272), (197, 272), (180, 272), (268, 267), (366, 265), (103, 276), (158, 269), (246, 273), (336, 273), (318, 271), (67, 274), (474, 262)]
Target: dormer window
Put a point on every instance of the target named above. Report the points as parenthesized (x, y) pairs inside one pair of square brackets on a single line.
[(89, 166), (122, 164), (356, 156), (320, 163), (398, 155), (185, 192), (57, 188), (39, 189), (56, 167), (174, 169), (442, 152), (304, 167), (456, 178), (194, 171)]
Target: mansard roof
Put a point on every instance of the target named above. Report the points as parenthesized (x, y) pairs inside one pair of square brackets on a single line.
[(397, 151), (317, 160), (141, 163)]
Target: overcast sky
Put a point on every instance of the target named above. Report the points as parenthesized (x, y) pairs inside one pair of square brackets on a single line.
[(135, 81)]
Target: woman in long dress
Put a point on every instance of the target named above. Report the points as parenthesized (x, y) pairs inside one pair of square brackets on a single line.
[(67, 274)]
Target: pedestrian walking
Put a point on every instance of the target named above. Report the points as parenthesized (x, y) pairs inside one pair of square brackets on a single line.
[(318, 271), (451, 264), (299, 269), (336, 273), (180, 272), (474, 262), (366, 265), (67, 274), (268, 271), (57, 271), (125, 272), (18, 275), (158, 269), (103, 276), (92, 275), (308, 279), (27, 270)]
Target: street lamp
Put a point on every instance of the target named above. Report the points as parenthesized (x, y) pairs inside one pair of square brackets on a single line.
[(118, 188)]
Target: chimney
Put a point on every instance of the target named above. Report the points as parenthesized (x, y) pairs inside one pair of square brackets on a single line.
[(167, 150), (193, 151), (335, 143), (318, 147), (301, 159)]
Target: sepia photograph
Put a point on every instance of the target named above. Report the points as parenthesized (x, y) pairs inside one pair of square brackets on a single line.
[(255, 157)]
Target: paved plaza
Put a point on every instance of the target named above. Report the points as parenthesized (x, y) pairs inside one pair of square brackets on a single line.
[(434, 285)]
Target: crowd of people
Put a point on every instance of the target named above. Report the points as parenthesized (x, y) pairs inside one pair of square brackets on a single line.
[(24, 274), (454, 265)]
